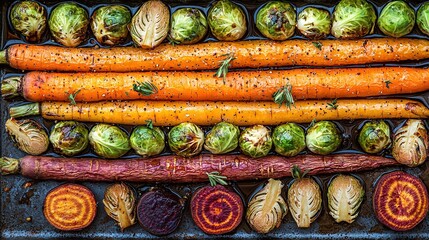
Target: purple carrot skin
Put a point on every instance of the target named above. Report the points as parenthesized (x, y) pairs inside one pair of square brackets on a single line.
[(179, 169)]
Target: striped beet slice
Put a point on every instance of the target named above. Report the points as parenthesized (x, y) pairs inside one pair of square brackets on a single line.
[(70, 207), (400, 201), (216, 210)]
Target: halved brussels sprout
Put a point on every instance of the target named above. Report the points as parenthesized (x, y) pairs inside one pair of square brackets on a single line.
[(109, 141), (147, 141), (314, 23), (323, 138), (149, 26), (29, 19), (186, 139), (289, 139), (411, 143), (345, 195), (69, 138), (188, 26), (227, 21), (28, 135), (68, 24), (120, 204), (223, 138), (110, 24), (396, 19), (276, 20), (423, 18), (256, 141), (353, 19), (374, 136)]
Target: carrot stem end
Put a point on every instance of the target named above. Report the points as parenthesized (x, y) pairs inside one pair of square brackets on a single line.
[(10, 87), (9, 166), (26, 110)]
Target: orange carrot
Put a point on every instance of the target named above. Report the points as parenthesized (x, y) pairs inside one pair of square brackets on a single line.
[(170, 113), (203, 86), (248, 54)]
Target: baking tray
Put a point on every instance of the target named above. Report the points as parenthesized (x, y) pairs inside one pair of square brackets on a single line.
[(22, 198)]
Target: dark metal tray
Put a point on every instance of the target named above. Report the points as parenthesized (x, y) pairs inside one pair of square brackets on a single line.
[(22, 198)]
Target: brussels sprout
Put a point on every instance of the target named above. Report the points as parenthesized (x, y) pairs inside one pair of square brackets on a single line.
[(109, 141), (69, 138), (149, 26), (222, 138), (110, 24), (147, 141), (68, 24), (374, 136), (29, 19), (28, 135), (289, 139), (323, 138), (411, 143), (256, 141), (276, 20), (345, 195), (353, 19), (186, 139), (396, 19), (423, 18), (188, 25), (314, 23), (120, 204), (227, 21)]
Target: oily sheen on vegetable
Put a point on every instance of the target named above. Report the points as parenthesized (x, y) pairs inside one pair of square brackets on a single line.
[(248, 54)]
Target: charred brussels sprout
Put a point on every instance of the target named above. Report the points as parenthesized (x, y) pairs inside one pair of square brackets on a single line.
[(256, 141), (323, 138), (68, 24), (289, 139), (423, 18), (28, 135), (147, 141), (109, 141), (69, 138), (314, 23), (29, 19), (188, 26), (110, 24), (396, 19), (223, 138), (186, 139), (276, 20), (374, 136), (353, 19), (227, 21)]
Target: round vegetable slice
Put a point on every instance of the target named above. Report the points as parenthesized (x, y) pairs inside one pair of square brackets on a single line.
[(70, 207), (400, 201), (216, 210)]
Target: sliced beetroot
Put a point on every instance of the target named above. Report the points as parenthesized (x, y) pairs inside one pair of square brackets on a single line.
[(216, 210), (159, 211), (400, 201)]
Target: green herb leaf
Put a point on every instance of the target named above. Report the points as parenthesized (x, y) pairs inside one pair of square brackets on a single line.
[(333, 104), (224, 65), (72, 97), (318, 45), (172, 41), (284, 95), (215, 178), (387, 82), (149, 124), (145, 88), (312, 123)]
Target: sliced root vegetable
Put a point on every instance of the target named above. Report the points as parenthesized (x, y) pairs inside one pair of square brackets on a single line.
[(70, 207), (180, 169), (170, 113), (248, 54), (400, 201)]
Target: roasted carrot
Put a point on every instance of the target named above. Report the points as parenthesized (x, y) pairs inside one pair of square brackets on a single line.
[(247, 54), (170, 113), (179, 169), (203, 86)]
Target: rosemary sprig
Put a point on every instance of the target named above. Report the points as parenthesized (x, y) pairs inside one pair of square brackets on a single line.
[(333, 104), (284, 95), (72, 97), (318, 45), (215, 178), (145, 88), (149, 124), (224, 65), (387, 82)]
